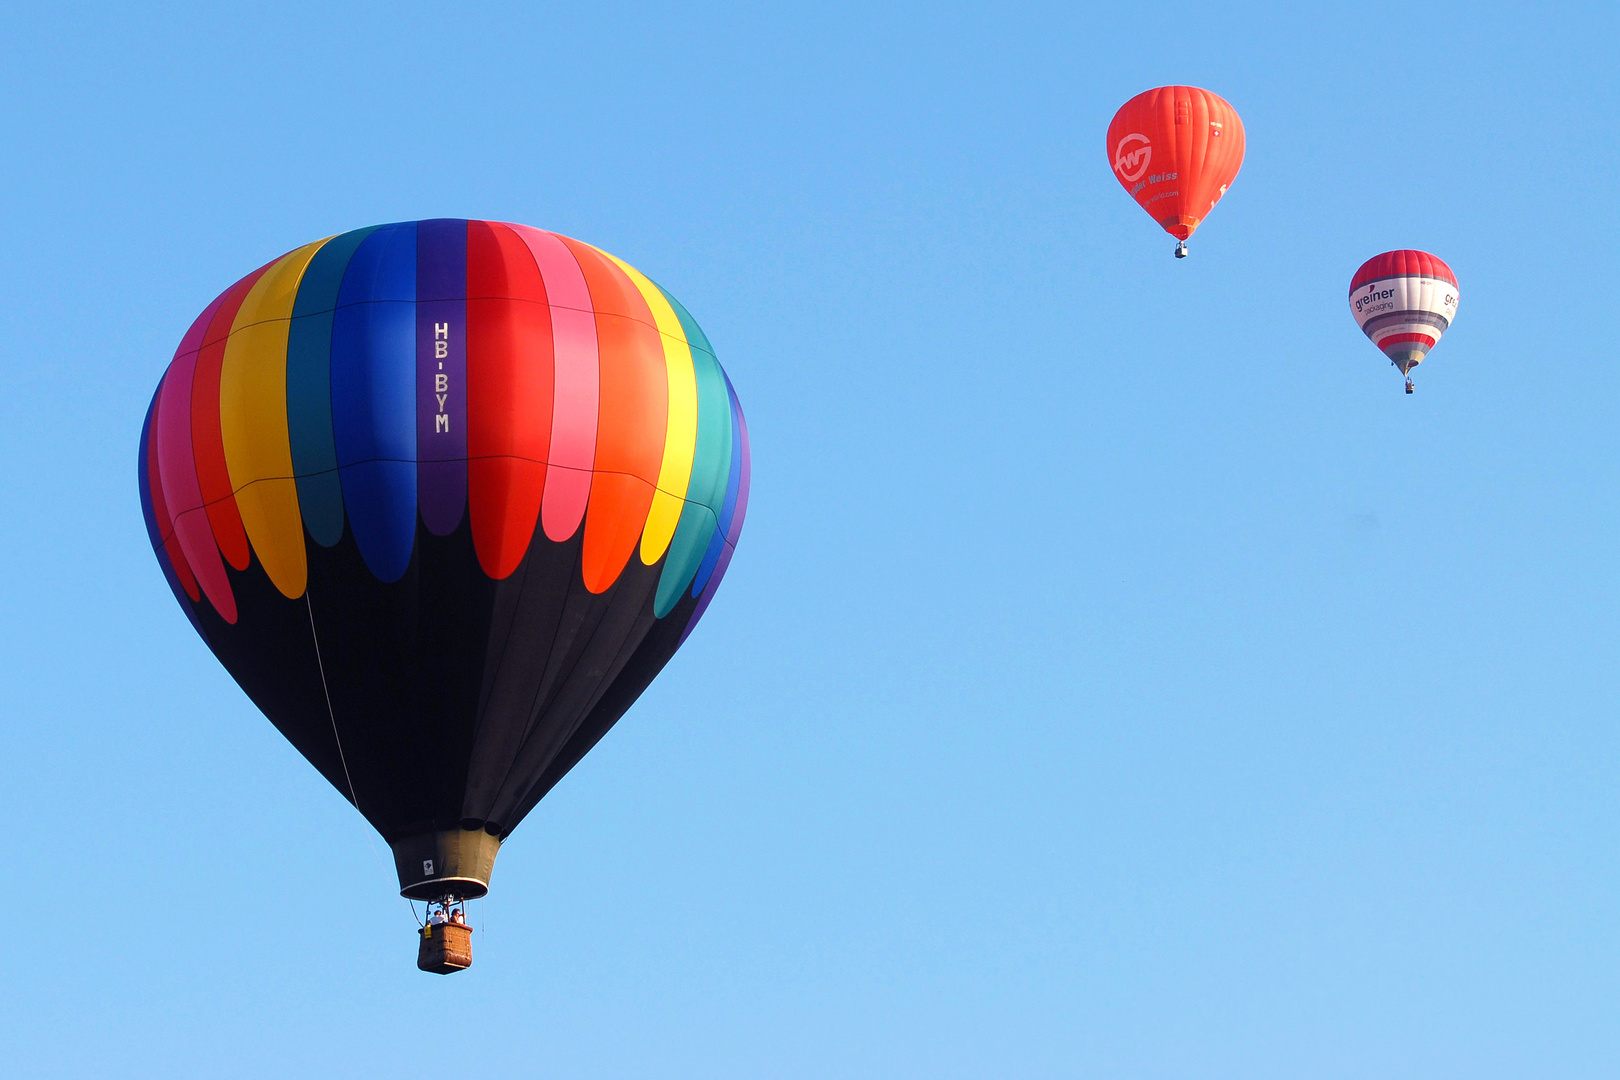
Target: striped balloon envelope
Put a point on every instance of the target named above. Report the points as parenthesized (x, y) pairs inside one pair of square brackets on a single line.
[(444, 496), (1403, 301)]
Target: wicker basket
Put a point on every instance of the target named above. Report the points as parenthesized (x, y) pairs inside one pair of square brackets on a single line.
[(444, 948)]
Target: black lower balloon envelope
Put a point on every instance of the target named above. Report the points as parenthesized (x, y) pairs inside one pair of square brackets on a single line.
[(421, 700)]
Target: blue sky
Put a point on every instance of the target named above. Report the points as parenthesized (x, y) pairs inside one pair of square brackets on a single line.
[(1118, 677)]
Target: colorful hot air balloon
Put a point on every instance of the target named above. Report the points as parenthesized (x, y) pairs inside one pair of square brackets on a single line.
[(1404, 301), (443, 497), (1176, 149)]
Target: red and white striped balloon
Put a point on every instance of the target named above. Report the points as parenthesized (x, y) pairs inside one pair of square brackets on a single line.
[(1404, 301)]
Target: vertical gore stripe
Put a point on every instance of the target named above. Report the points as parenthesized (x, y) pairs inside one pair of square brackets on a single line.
[(631, 420), (146, 462), (441, 372), (509, 388), (162, 522), (309, 389), (739, 511), (177, 467), (711, 468), (734, 489), (374, 397), (207, 441), (253, 422), (164, 545), (680, 435), (575, 388)]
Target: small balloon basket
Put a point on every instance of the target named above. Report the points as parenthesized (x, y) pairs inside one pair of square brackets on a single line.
[(444, 942), (445, 948)]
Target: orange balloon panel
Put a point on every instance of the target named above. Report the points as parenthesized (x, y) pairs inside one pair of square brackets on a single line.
[(1176, 149)]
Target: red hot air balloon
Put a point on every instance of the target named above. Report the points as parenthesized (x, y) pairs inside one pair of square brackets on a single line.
[(1403, 301), (1176, 150), (444, 497)]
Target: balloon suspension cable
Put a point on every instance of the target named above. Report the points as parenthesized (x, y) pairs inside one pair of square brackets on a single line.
[(331, 714), (343, 759)]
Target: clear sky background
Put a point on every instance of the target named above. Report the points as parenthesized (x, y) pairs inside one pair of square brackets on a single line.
[(1119, 676)]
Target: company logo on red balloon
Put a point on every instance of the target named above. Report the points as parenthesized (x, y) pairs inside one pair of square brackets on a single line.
[(1132, 155)]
